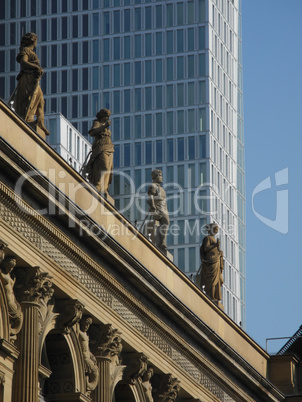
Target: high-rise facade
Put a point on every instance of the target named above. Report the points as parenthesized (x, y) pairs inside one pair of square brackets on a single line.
[(171, 73)]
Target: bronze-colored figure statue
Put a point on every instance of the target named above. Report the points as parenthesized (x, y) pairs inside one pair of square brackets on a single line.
[(158, 209), (100, 165), (210, 273), (28, 98)]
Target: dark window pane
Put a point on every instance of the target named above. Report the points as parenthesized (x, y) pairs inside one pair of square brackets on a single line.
[(74, 5), (64, 27), (148, 153), (13, 34), (12, 63), (2, 87), (44, 7), (116, 20), (44, 30), (148, 20), (85, 105), (127, 20), (53, 6), (75, 53), (64, 106), (85, 78), (138, 22), (64, 81), (54, 55), (74, 80), (43, 56), (85, 52), (75, 26), (116, 47), (53, 82), (2, 61), (53, 105), (22, 8), (85, 25), (2, 11), (2, 35), (159, 16), (33, 26), (64, 54), (74, 106)]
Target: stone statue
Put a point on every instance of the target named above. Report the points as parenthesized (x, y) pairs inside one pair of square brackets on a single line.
[(100, 165), (158, 209), (91, 366), (28, 98), (210, 273), (8, 281), (146, 384)]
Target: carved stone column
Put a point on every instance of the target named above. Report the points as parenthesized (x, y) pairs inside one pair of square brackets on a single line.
[(106, 345), (34, 290), (102, 392)]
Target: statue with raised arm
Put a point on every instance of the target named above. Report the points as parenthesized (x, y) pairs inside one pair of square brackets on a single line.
[(100, 165), (158, 209), (28, 99), (210, 275)]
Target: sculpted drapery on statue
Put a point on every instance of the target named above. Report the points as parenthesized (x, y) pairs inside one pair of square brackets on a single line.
[(100, 165), (158, 208), (28, 99), (210, 273)]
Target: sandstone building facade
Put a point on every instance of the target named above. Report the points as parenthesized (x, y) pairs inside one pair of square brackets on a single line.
[(90, 310)]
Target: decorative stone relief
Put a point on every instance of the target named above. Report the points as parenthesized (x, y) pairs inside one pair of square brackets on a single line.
[(8, 280), (136, 367), (146, 384), (33, 285), (106, 341), (91, 367), (70, 313), (165, 388)]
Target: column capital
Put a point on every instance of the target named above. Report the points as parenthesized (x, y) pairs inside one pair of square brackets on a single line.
[(106, 342), (32, 285), (166, 388)]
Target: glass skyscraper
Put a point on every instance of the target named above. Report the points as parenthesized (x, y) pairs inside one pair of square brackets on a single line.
[(171, 73)]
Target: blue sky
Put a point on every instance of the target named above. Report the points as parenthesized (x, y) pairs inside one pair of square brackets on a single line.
[(272, 63)]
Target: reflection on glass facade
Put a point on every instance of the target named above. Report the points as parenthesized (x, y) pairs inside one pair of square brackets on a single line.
[(171, 73)]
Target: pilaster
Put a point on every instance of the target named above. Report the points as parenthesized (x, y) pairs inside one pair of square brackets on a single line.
[(34, 292)]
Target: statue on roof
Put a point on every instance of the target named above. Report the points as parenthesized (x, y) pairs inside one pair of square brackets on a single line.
[(100, 164), (210, 274), (27, 99), (158, 209)]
